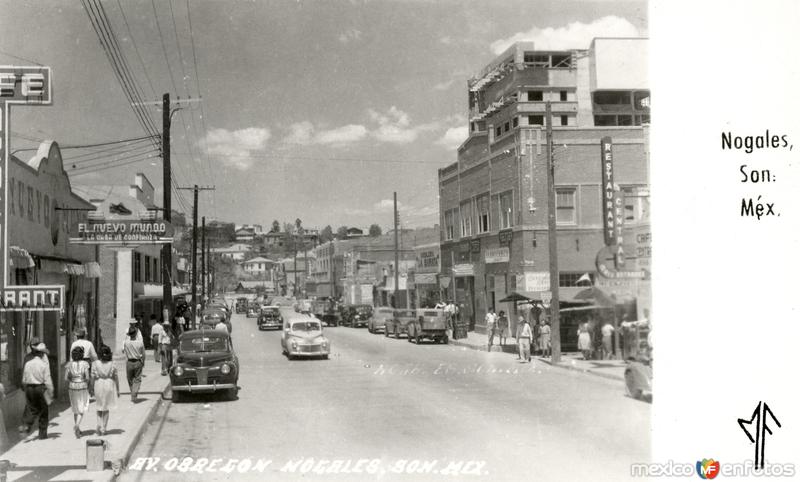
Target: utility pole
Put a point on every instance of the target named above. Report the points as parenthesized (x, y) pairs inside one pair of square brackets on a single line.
[(552, 242), (396, 255), (166, 250), (196, 190), (203, 265)]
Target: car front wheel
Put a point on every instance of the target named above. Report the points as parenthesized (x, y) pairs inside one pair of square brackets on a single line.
[(177, 397)]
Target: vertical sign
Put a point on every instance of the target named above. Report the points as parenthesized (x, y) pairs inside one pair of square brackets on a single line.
[(613, 212), (26, 86)]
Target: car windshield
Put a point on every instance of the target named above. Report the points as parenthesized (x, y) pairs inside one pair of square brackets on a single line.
[(306, 326), (270, 311), (204, 344)]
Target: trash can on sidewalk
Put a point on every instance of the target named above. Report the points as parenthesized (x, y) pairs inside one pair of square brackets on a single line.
[(95, 455)]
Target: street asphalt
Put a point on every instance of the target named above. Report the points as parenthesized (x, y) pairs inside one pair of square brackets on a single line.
[(386, 409)]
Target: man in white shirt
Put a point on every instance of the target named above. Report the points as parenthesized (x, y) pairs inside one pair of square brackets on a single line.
[(155, 334), (89, 353), (524, 337), (608, 332), (491, 325), (38, 388)]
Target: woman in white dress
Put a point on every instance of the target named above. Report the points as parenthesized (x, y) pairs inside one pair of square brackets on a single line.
[(106, 388)]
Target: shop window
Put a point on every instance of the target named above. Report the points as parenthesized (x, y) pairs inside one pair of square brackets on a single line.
[(562, 96), (11, 186), (535, 96), (466, 219), (536, 120), (506, 210), (482, 208), (571, 279), (565, 206)]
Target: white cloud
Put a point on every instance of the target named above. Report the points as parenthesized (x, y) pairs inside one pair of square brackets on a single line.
[(576, 35), (304, 133), (446, 40), (350, 35), (444, 85), (234, 148), (453, 137)]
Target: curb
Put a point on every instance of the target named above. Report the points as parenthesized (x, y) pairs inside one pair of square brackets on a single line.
[(126, 455), (576, 369), (512, 349)]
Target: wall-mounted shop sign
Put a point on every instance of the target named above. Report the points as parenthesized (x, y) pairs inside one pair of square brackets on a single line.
[(496, 255), (124, 232), (463, 270), (21, 86), (533, 281), (607, 262), (32, 298), (505, 236)]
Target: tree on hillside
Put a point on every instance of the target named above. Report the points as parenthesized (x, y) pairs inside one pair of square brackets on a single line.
[(375, 231), (326, 234), (276, 227), (341, 233)]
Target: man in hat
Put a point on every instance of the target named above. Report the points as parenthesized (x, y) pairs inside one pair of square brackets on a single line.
[(38, 387), (27, 418), (133, 348), (135, 324)]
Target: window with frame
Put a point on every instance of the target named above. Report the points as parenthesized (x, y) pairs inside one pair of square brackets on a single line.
[(562, 96), (482, 209), (506, 127), (565, 206), (449, 224), (536, 120), (498, 131), (637, 206), (564, 120), (535, 96), (515, 122), (506, 213), (466, 219), (137, 267)]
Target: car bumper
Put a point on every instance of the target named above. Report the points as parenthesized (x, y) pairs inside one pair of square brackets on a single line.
[(203, 388), (269, 325), (309, 353)]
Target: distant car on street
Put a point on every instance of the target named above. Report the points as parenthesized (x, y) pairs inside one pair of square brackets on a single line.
[(398, 324), (206, 363), (270, 317), (302, 337), (431, 324), (356, 316), (379, 317)]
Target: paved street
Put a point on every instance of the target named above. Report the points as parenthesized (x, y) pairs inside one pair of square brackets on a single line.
[(390, 401)]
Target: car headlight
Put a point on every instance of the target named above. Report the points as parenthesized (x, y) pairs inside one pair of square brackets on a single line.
[(294, 344), (225, 369), (178, 371)]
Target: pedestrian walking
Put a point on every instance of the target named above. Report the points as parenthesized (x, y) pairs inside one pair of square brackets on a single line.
[(544, 337), (77, 378), (106, 388), (148, 335), (491, 326), (89, 353), (27, 415), (524, 337), (502, 327), (608, 347), (38, 388), (133, 348), (585, 341), (155, 334), (165, 347)]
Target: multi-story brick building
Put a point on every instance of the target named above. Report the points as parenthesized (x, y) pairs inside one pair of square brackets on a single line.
[(493, 200)]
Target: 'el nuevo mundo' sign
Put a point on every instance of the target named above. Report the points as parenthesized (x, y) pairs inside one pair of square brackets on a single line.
[(124, 232)]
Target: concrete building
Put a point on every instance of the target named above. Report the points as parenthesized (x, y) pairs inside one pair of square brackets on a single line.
[(236, 251), (43, 208), (259, 267), (493, 200)]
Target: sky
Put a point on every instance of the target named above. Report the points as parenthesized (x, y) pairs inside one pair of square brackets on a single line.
[(311, 110)]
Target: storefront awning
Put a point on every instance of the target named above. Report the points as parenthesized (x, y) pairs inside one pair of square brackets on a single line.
[(20, 258)]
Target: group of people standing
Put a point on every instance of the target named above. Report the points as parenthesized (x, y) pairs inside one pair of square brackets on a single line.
[(90, 374), (528, 338)]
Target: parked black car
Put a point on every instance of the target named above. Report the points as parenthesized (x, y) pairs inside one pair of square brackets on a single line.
[(206, 363)]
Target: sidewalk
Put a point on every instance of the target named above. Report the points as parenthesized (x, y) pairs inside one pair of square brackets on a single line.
[(612, 369), (63, 457)]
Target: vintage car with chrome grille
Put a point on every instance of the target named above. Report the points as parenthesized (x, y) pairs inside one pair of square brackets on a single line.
[(302, 337), (206, 363), (270, 317)]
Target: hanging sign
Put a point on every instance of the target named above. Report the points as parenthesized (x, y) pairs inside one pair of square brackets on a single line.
[(21, 86), (613, 209)]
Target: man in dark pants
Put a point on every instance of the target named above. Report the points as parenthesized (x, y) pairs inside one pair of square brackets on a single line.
[(38, 387), (133, 348), (27, 418)]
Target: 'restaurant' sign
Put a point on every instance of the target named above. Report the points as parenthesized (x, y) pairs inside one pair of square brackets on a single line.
[(124, 232), (22, 86), (613, 212)]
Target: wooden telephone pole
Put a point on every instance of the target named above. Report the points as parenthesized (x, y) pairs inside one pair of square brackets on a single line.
[(552, 242), (196, 190)]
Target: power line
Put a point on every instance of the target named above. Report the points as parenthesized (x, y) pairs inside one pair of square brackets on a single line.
[(109, 155), (331, 159), (100, 144), (138, 158), (133, 41), (21, 58)]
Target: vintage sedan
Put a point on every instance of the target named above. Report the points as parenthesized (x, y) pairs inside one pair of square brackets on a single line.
[(379, 318), (302, 337), (270, 317), (206, 363)]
